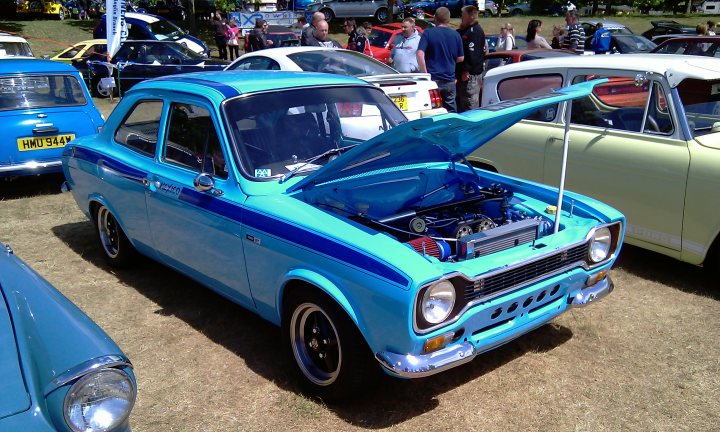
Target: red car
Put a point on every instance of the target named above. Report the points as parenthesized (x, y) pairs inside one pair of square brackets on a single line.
[(690, 45)]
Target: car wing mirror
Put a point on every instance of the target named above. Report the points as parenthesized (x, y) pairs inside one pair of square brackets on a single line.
[(205, 183)]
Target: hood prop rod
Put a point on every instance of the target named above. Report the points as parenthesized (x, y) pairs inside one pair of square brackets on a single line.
[(563, 166)]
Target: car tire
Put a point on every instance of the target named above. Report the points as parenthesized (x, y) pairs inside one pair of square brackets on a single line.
[(516, 12), (329, 15), (487, 14), (116, 248), (327, 351), (382, 15), (100, 92)]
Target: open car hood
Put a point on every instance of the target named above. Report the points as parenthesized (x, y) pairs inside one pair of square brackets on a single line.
[(443, 138)]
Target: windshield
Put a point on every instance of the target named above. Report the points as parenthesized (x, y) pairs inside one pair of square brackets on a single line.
[(701, 101), (348, 63), (633, 43), (25, 91), (15, 49), (379, 38), (275, 133), (166, 30)]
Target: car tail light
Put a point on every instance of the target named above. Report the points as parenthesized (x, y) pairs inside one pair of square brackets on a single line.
[(348, 109), (435, 99)]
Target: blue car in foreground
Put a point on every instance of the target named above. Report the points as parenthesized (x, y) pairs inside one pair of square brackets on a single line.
[(60, 371), (312, 201), (43, 105)]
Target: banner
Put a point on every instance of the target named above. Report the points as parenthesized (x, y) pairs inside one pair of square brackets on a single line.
[(116, 26)]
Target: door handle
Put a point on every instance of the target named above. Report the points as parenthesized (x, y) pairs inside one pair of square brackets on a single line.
[(45, 128)]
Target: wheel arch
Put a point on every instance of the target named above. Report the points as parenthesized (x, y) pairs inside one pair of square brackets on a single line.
[(300, 279), (485, 164), (94, 203)]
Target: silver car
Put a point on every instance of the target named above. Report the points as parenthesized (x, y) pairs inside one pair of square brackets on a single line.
[(351, 9)]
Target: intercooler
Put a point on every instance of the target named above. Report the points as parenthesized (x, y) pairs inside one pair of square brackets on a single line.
[(498, 239)]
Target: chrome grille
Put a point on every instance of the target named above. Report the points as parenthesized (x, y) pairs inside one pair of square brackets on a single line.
[(504, 280)]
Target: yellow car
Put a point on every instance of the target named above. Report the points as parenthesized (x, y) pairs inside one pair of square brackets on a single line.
[(81, 50), (50, 9)]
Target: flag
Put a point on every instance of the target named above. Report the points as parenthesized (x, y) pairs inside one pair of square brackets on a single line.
[(116, 26)]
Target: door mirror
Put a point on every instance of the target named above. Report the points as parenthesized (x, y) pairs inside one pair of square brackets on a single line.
[(205, 183)]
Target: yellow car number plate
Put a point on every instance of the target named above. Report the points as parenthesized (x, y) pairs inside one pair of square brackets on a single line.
[(400, 101), (42, 143)]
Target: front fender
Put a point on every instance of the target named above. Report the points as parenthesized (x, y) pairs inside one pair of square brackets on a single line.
[(323, 284)]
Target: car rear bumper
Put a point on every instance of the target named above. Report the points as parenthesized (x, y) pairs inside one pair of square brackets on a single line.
[(31, 168)]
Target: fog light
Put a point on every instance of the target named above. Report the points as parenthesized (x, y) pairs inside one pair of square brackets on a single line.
[(438, 342), (597, 277)]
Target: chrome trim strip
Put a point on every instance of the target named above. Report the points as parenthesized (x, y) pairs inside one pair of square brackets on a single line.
[(510, 267), (84, 368), (32, 165), (593, 293)]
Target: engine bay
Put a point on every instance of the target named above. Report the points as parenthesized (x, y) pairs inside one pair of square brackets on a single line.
[(454, 218)]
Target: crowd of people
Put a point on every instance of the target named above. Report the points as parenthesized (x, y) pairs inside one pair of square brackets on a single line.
[(453, 58)]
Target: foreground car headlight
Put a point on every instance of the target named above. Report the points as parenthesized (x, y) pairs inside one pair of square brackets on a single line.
[(99, 401), (438, 302), (600, 245)]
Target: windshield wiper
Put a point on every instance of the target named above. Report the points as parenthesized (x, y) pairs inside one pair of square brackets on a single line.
[(327, 153)]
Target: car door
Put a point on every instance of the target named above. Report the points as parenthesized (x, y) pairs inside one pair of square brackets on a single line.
[(625, 150), (197, 232)]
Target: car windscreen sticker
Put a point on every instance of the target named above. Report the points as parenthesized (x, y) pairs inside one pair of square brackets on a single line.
[(263, 172), (715, 89)]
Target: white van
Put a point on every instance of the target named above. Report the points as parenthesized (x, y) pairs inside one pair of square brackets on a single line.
[(710, 7)]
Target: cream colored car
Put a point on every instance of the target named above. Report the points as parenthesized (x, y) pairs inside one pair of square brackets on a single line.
[(647, 142)]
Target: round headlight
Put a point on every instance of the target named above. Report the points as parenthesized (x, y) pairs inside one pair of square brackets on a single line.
[(438, 302), (600, 244), (99, 401)]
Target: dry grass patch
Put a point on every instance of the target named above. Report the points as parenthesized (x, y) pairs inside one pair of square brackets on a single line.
[(645, 358)]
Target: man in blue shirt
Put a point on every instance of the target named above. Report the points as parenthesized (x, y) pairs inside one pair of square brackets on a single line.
[(439, 50), (601, 40)]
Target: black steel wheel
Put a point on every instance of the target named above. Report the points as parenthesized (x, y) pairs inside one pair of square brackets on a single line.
[(117, 249), (330, 356)]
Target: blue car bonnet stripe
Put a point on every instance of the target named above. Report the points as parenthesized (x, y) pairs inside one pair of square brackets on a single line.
[(261, 222), (292, 233), (226, 90)]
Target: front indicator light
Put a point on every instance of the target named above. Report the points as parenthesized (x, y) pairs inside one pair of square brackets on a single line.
[(595, 278), (438, 342)]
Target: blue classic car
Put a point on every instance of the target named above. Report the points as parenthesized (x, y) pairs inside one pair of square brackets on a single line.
[(60, 371), (43, 105), (312, 201)]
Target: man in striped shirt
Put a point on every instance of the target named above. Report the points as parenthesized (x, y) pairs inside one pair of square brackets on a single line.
[(574, 35)]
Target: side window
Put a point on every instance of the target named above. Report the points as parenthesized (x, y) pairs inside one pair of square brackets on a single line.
[(257, 63), (139, 130), (192, 141), (621, 104), (73, 52), (527, 86)]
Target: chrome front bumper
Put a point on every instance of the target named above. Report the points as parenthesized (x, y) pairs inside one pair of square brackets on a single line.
[(418, 366)]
